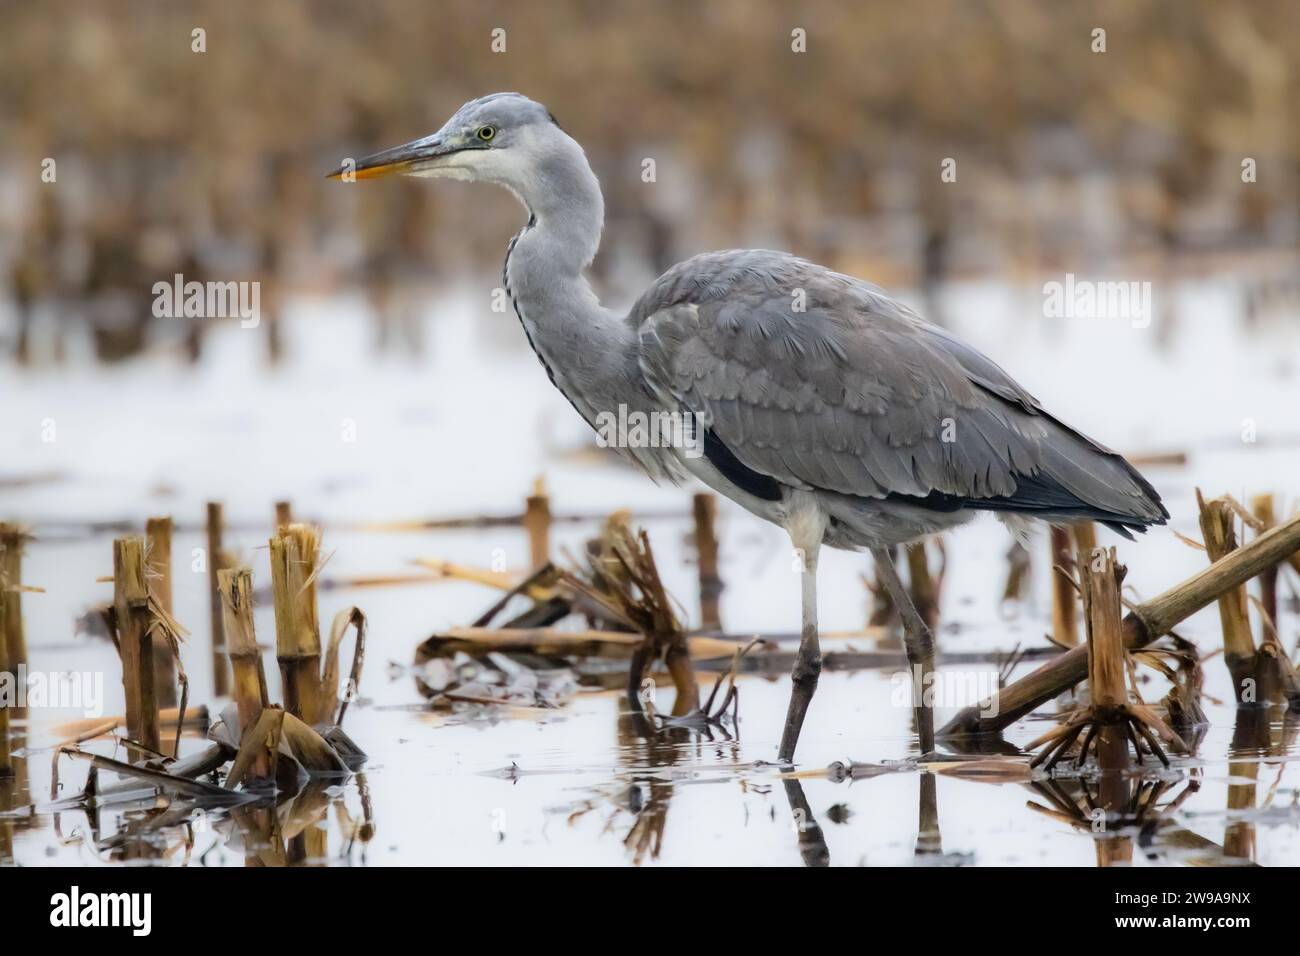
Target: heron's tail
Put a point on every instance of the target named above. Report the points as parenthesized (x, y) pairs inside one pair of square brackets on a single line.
[(1075, 479), (1081, 480)]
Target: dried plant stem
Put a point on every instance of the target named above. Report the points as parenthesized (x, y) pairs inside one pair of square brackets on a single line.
[(1142, 625), (12, 539), (1085, 539), (705, 511), (1018, 567), (216, 561), (6, 760), (241, 644), (283, 514), (624, 581), (1065, 615), (330, 690), (135, 642), (1262, 506), (158, 553), (537, 522), (1238, 643), (1101, 602), (295, 558), (1101, 582), (1110, 719)]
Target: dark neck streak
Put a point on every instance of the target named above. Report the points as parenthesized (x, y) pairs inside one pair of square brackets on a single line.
[(528, 334)]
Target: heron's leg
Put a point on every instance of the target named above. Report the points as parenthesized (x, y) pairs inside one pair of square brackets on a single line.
[(917, 640), (807, 662)]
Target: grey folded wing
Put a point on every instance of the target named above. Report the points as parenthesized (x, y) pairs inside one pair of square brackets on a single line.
[(822, 381)]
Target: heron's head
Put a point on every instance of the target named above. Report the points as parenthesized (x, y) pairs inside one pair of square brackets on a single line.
[(504, 138)]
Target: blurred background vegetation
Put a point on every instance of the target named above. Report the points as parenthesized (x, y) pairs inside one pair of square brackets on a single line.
[(211, 164)]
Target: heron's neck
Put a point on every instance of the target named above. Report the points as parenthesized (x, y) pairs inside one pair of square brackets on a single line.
[(585, 348)]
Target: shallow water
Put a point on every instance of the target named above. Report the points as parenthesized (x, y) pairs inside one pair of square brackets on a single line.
[(579, 785)]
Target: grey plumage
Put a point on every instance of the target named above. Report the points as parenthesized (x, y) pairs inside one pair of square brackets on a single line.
[(826, 383), (825, 406)]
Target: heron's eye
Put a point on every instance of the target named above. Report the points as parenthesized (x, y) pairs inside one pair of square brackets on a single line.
[(486, 133)]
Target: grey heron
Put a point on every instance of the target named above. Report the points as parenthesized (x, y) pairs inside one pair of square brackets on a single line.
[(821, 403)]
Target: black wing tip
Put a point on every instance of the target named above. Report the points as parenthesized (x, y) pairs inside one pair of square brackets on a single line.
[(1039, 496)]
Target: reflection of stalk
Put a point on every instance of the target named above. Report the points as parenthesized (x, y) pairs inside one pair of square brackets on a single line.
[(263, 844), (645, 748), (1250, 736)]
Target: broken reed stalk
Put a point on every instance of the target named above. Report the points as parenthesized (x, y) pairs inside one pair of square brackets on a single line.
[(330, 690), (1018, 567), (1101, 583), (1262, 506), (924, 589), (295, 557), (1142, 625), (1220, 536), (1085, 540), (537, 522), (135, 642), (1109, 718), (1085, 543), (12, 539), (241, 644), (705, 511), (622, 577), (6, 761), (1065, 616), (216, 522), (283, 514), (158, 536)]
